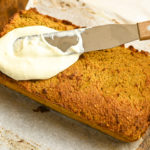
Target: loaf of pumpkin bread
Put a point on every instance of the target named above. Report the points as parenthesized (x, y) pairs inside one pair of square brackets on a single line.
[(108, 90)]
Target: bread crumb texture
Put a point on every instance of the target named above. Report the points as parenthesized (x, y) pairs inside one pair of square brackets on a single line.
[(108, 90)]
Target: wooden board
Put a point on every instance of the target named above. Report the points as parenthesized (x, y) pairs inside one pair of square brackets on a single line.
[(9, 7)]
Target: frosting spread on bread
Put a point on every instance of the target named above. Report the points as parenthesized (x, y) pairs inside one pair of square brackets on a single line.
[(34, 58)]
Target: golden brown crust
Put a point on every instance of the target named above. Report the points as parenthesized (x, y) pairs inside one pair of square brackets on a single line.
[(108, 90), (35, 20)]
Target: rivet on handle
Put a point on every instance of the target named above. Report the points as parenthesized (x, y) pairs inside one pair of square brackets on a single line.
[(148, 28)]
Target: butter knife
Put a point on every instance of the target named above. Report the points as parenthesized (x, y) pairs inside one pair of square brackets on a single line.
[(99, 37)]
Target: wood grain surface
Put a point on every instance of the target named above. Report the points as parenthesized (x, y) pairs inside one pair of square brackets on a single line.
[(8, 8)]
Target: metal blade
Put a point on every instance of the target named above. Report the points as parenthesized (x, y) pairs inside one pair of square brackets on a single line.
[(63, 42), (108, 36), (95, 38)]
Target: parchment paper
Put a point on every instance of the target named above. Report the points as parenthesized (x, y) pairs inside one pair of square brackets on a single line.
[(98, 12), (25, 127)]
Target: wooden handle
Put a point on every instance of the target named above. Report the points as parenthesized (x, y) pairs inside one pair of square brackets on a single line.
[(144, 30)]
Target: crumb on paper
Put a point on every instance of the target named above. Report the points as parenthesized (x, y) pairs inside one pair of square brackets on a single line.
[(83, 4), (115, 21), (41, 109)]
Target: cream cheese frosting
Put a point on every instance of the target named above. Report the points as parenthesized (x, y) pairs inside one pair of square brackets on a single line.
[(34, 58)]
